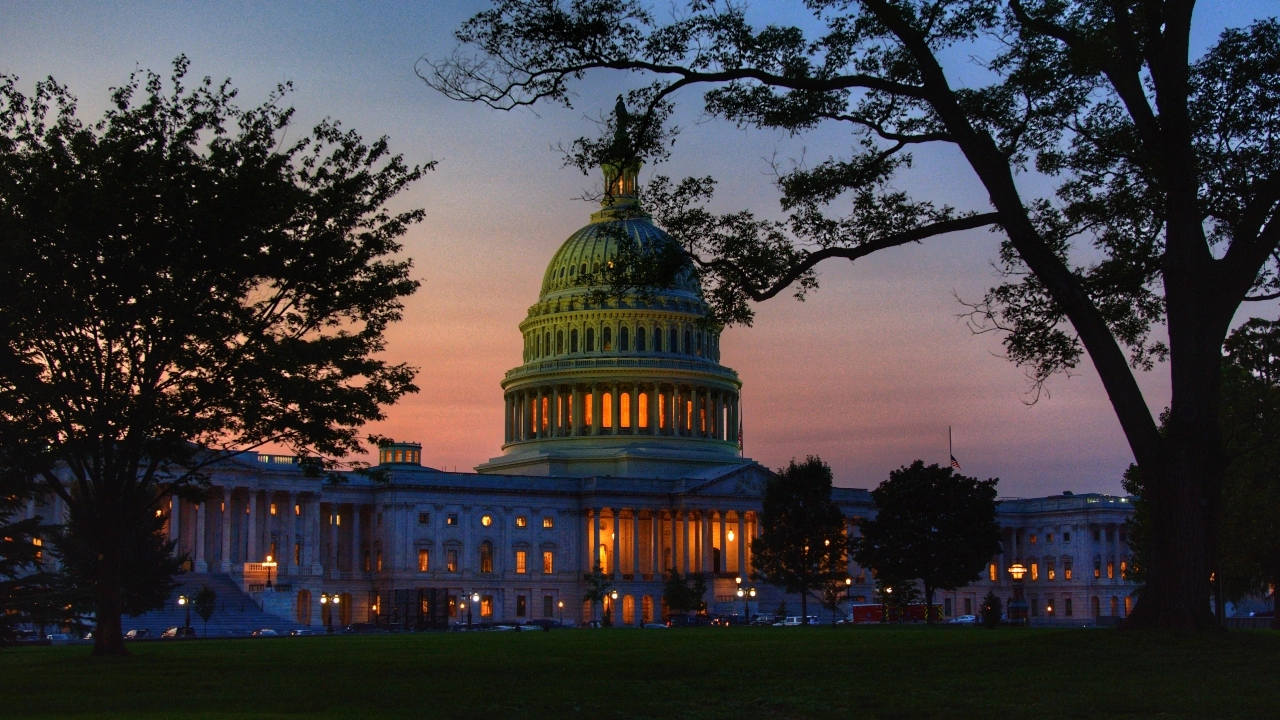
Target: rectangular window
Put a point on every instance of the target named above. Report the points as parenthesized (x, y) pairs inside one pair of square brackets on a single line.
[(968, 606), (378, 560), (1122, 535), (946, 607), (548, 562), (662, 412), (1097, 535), (423, 518), (366, 561), (1066, 607), (545, 401), (1034, 605), (379, 519), (424, 560), (1128, 605), (1048, 606), (688, 414), (588, 412), (486, 606), (643, 401), (1111, 570), (522, 521), (548, 522), (1097, 568), (273, 508), (992, 572), (521, 558), (624, 410), (452, 519), (1049, 570), (1032, 539), (520, 606), (451, 560), (1124, 570), (1066, 537), (1048, 537), (297, 509), (297, 554), (548, 606), (1035, 571), (1066, 569), (453, 606)]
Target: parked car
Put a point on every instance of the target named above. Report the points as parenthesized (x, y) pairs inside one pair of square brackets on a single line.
[(264, 632), (763, 619), (301, 632), (180, 631), (727, 620), (543, 623), (688, 620), (964, 620), (362, 628), (137, 634), (654, 626), (846, 620), (797, 621)]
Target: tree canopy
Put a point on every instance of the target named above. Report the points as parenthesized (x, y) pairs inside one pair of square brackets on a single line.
[(931, 523), (1163, 219), (802, 543), (181, 282)]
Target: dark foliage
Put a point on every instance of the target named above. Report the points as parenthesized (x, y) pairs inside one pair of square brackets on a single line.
[(991, 610), (179, 283), (802, 543), (931, 523), (684, 594), (206, 604)]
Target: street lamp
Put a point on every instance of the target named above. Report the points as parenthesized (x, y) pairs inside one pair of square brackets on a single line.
[(269, 564), (561, 604), (747, 594), (182, 600), (328, 617), (475, 598), (1018, 605)]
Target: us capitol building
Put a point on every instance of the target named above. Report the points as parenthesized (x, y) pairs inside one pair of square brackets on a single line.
[(620, 450)]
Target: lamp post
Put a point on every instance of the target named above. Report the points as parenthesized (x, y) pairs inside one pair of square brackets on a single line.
[(183, 601), (269, 563), (614, 597), (475, 598), (561, 605), (884, 604), (747, 594), (1018, 607), (328, 617)]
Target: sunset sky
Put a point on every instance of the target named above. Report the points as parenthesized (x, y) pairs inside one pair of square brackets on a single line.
[(867, 373)]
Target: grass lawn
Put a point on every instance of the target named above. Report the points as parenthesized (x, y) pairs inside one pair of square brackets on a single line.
[(871, 672)]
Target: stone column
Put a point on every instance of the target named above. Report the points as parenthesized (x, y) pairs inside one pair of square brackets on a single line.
[(575, 413), (615, 567), (695, 422), (724, 542), (201, 522), (332, 555), (312, 543), (586, 540), (706, 543), (251, 553), (557, 415), (742, 546), (507, 418), (225, 560), (720, 418), (653, 409), (615, 411), (635, 408), (287, 559), (357, 556), (595, 410), (672, 412), (655, 543), (684, 540), (175, 521), (635, 544)]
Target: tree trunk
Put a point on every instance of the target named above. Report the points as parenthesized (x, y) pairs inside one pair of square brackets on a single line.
[(108, 635), (928, 603), (1182, 492), (804, 607)]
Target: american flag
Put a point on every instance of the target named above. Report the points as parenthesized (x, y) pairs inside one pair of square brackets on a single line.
[(955, 463), (739, 436)]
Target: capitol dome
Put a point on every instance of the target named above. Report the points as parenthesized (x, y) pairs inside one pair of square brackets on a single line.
[(626, 386)]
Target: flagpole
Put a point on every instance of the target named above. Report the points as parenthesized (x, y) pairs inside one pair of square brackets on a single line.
[(950, 453)]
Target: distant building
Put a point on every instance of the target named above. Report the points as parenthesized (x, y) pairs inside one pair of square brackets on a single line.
[(621, 450)]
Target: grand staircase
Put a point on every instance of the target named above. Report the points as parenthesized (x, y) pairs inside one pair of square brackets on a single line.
[(237, 614)]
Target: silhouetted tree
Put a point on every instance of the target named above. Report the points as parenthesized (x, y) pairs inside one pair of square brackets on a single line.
[(179, 283), (598, 586), (802, 543), (1166, 210), (206, 602), (931, 523), (991, 610), (684, 594)]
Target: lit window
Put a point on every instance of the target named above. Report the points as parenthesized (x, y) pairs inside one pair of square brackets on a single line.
[(624, 410), (1049, 569), (273, 508), (486, 520), (1035, 571), (297, 553), (423, 518), (521, 560), (643, 403), (606, 340), (451, 560), (297, 509), (486, 557), (1048, 537), (548, 521), (1097, 566), (424, 560), (606, 410), (1124, 569), (522, 521), (992, 572), (378, 556), (1128, 605), (587, 413), (486, 606), (1066, 569), (1033, 539), (1111, 569), (548, 562), (452, 519)]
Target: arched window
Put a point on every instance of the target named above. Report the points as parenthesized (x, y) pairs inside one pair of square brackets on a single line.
[(591, 339), (539, 353), (688, 348), (673, 341), (571, 269), (559, 341), (628, 610), (624, 410), (624, 340), (486, 557), (606, 340), (646, 609), (584, 269), (573, 340), (640, 339), (698, 342)]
